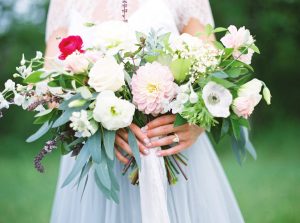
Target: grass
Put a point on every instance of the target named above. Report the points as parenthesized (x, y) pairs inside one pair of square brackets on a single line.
[(267, 189)]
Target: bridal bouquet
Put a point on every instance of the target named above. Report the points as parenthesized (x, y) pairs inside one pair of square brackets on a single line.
[(112, 76)]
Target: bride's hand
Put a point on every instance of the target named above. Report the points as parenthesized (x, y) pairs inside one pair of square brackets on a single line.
[(121, 142), (164, 126)]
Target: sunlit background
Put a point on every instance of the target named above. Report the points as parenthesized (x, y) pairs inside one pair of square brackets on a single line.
[(268, 190)]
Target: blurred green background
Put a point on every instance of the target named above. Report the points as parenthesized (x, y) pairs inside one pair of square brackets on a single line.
[(268, 190)]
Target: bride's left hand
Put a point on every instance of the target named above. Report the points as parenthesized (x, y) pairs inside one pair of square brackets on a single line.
[(164, 126)]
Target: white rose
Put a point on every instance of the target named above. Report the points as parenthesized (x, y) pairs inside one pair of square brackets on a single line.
[(9, 85), (252, 87), (106, 74), (113, 113), (217, 99), (76, 63)]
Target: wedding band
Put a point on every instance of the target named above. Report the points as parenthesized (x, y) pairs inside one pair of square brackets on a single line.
[(176, 138)]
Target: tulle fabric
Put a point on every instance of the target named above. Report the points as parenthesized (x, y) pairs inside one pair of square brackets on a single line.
[(205, 197)]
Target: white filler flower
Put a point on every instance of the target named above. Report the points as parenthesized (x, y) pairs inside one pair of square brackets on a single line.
[(112, 112), (106, 74), (3, 102), (217, 99), (81, 124)]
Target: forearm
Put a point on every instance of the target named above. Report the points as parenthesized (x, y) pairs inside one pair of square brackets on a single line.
[(194, 26)]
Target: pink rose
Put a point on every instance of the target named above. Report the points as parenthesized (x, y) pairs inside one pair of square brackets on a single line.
[(76, 63), (244, 106)]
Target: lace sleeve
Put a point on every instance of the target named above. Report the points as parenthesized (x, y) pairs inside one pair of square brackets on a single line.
[(199, 9), (57, 16)]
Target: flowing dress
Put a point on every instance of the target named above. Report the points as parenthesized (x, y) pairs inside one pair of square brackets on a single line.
[(207, 196)]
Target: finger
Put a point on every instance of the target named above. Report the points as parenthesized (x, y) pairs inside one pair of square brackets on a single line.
[(123, 144), (142, 148), (120, 157), (173, 150), (163, 120), (163, 130), (141, 136), (167, 140)]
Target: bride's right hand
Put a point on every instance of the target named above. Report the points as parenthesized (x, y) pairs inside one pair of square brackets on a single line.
[(121, 142)]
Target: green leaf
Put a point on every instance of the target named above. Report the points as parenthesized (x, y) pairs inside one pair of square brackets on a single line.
[(218, 45), (223, 82), (255, 48), (65, 104), (44, 118), (164, 59), (34, 77), (225, 127), (219, 29), (42, 113), (134, 147), (81, 160), (180, 69), (236, 72), (109, 141), (238, 149), (208, 29), (42, 131), (235, 128), (179, 120), (94, 145)]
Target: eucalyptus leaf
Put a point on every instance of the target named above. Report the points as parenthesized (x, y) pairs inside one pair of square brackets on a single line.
[(134, 147), (42, 131), (219, 74), (235, 128), (109, 141), (102, 172), (94, 145), (106, 192), (223, 82), (81, 160)]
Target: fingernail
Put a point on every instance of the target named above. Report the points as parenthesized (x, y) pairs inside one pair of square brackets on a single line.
[(146, 141), (144, 129), (146, 151), (158, 153)]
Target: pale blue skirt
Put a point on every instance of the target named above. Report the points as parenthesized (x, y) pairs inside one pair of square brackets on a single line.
[(205, 198)]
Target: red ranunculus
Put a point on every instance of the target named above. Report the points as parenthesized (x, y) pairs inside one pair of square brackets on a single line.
[(69, 45)]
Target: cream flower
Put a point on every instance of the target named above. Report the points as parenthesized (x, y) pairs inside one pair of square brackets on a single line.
[(3, 102), (217, 99), (112, 112), (106, 74)]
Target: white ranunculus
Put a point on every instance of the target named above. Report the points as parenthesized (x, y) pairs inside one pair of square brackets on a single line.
[(217, 99), (193, 97), (112, 112), (76, 63), (3, 102), (252, 87), (176, 107), (9, 85), (106, 74)]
